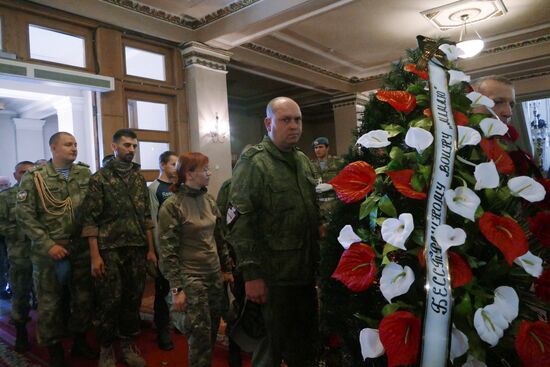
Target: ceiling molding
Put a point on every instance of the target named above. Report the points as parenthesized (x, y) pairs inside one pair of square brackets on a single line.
[(182, 21), (514, 45), (530, 76)]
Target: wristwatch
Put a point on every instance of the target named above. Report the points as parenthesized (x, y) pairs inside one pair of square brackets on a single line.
[(175, 291)]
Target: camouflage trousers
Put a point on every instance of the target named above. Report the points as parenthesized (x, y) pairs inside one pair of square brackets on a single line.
[(51, 294), (204, 297), (119, 293), (21, 287)]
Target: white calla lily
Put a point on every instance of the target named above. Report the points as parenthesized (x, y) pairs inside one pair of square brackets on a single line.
[(451, 51), (479, 100), (532, 264), (490, 324), (323, 187), (374, 139), (527, 188), (396, 231), (463, 202), (418, 139), (347, 237), (456, 77), (447, 236), (507, 301), (468, 136), (486, 175), (371, 346), (491, 127), (395, 280), (472, 362), (459, 343)]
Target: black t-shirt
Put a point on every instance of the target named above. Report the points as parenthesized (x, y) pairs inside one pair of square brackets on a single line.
[(163, 191)]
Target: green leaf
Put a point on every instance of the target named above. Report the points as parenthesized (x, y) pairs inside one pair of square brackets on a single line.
[(476, 118), (380, 220), (372, 219), (475, 155), (416, 88), (386, 206), (395, 166), (396, 154), (425, 171), (422, 100), (424, 123), (368, 205), (504, 193), (418, 182), (380, 170), (464, 307), (389, 309), (418, 237), (393, 129)]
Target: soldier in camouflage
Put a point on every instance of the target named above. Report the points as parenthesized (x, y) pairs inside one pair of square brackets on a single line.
[(326, 168), (273, 219), (49, 211), (19, 255), (118, 225)]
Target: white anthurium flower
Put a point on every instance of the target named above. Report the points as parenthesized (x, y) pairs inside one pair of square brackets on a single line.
[(486, 175), (491, 126), (347, 237), (468, 136), (532, 264), (451, 51), (527, 188), (456, 77), (371, 346), (472, 362), (479, 100), (507, 301), (395, 280), (375, 139), (323, 187), (490, 324), (463, 202), (419, 139), (459, 343), (396, 231), (447, 236)]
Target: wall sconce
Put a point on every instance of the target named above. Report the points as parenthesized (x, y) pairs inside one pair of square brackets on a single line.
[(470, 45), (216, 135)]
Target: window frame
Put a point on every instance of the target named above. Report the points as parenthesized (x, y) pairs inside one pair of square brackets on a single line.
[(148, 47)]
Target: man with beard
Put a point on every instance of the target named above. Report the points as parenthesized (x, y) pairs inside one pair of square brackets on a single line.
[(117, 222), (159, 191), (19, 255), (49, 211)]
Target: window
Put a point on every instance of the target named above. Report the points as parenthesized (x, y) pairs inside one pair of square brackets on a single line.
[(149, 154), (147, 115), (144, 64), (53, 46)]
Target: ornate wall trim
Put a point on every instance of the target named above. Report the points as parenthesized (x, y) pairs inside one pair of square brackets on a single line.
[(196, 53), (520, 44), (182, 21), (530, 76)]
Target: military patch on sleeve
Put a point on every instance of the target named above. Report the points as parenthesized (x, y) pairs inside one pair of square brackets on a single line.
[(21, 195), (232, 215)]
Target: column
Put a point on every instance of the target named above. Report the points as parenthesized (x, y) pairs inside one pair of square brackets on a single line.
[(206, 91), (348, 115), (29, 139)]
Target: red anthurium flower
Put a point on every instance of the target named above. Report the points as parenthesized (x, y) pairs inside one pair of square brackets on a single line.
[(461, 273), (494, 152), (546, 202), (400, 336), (542, 286), (523, 162), (540, 227), (504, 233), (533, 343), (460, 118), (421, 257), (411, 68), (354, 182), (400, 100), (512, 134), (402, 182), (356, 268)]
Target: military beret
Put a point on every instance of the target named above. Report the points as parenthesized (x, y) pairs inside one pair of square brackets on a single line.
[(320, 140)]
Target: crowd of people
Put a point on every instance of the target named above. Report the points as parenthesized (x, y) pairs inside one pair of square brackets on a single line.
[(90, 240)]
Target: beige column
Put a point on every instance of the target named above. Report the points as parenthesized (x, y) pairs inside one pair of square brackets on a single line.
[(206, 91), (348, 114)]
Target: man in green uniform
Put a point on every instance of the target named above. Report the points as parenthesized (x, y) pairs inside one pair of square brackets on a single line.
[(326, 167), (117, 222), (49, 211), (274, 227), (19, 255)]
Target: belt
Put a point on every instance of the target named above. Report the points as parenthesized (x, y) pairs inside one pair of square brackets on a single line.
[(326, 199)]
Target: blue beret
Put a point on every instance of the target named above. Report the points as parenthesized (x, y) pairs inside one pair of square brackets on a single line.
[(320, 140)]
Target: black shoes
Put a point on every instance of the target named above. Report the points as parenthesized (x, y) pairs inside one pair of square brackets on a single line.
[(82, 349), (164, 340), (57, 356), (21, 338)]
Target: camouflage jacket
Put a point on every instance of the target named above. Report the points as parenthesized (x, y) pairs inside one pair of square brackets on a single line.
[(116, 211), (49, 206), (333, 167), (19, 245), (188, 222), (273, 216)]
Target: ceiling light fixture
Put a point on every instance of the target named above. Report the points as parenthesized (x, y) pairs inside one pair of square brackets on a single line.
[(471, 44)]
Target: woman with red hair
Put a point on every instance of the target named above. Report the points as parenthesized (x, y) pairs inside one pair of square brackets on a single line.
[(190, 258)]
